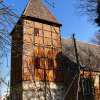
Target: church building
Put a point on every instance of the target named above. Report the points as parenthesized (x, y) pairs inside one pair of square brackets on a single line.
[(36, 72)]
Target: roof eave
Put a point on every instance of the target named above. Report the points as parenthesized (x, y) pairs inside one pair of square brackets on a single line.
[(41, 20)]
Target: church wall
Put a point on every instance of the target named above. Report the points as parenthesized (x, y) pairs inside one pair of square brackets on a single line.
[(16, 62), (41, 47)]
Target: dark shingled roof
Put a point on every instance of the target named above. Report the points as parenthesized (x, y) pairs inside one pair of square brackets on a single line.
[(89, 54), (35, 8)]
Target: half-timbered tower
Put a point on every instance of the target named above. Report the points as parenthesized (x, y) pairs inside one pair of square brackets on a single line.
[(36, 72)]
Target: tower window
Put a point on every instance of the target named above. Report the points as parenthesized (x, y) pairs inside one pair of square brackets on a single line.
[(36, 32), (50, 63), (37, 62)]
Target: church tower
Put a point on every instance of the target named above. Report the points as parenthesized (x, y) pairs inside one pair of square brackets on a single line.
[(36, 72)]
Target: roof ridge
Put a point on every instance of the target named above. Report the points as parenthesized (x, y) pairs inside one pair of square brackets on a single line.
[(79, 41)]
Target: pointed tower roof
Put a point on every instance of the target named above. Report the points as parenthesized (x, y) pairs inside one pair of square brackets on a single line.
[(36, 9)]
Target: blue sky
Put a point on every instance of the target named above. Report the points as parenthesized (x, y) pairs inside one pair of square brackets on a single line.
[(67, 14)]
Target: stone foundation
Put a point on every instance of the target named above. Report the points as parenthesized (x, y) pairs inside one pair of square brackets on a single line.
[(40, 91)]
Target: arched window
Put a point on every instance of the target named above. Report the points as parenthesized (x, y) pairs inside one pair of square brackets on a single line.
[(87, 86)]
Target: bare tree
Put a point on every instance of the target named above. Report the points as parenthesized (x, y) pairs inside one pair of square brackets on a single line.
[(7, 21), (90, 8), (97, 20), (96, 38)]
